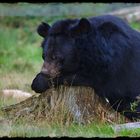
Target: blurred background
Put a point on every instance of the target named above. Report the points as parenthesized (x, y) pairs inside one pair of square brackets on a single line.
[(20, 51)]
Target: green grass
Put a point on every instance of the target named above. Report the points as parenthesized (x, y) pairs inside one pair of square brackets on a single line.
[(20, 60), (44, 129), (135, 25), (20, 52), (56, 131), (19, 48)]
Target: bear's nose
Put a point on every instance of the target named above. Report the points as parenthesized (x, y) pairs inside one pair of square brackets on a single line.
[(44, 71), (45, 68)]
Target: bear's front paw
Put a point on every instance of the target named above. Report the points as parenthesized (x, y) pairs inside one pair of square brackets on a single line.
[(40, 83)]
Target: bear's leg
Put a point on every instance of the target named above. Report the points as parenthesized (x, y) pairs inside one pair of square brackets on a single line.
[(127, 107), (134, 110), (40, 83)]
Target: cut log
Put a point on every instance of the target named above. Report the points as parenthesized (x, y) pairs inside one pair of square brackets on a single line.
[(15, 94), (78, 104), (126, 126), (129, 14)]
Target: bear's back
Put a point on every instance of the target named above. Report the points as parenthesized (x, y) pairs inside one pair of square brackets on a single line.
[(128, 78), (98, 20)]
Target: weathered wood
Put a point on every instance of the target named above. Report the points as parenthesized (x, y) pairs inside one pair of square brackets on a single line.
[(128, 126), (15, 94), (79, 104)]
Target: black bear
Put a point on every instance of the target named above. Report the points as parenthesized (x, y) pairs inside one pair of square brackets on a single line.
[(101, 52)]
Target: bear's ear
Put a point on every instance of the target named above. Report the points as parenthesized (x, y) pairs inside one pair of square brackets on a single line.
[(43, 29), (109, 28), (81, 27)]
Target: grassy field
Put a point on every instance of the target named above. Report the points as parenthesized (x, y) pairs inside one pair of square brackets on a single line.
[(20, 60)]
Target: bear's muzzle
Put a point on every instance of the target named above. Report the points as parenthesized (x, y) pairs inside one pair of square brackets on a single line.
[(50, 69)]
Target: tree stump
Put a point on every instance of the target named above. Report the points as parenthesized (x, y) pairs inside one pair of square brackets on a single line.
[(64, 104)]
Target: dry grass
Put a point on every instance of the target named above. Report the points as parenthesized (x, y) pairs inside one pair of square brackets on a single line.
[(65, 105), (16, 80)]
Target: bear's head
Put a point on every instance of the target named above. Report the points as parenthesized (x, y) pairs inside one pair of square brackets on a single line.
[(60, 54), (64, 49)]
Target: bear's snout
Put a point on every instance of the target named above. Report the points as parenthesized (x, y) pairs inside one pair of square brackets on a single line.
[(50, 69)]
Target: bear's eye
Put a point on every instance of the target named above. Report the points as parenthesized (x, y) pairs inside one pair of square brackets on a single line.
[(54, 57)]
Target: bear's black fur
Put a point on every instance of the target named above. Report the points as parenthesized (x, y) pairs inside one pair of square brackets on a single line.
[(102, 52)]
